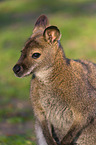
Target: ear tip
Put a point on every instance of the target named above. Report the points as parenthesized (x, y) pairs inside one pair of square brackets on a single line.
[(52, 28), (55, 28), (42, 20), (43, 16)]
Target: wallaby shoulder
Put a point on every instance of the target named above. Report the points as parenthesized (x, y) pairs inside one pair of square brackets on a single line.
[(89, 69)]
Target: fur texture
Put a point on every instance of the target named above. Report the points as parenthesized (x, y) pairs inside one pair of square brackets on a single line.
[(63, 91)]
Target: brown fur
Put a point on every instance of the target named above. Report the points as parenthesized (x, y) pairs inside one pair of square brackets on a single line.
[(63, 91)]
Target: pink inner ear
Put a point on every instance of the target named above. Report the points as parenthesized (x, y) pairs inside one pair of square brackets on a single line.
[(51, 33), (53, 36), (50, 36)]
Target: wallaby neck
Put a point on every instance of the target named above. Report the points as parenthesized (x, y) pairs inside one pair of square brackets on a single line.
[(49, 74)]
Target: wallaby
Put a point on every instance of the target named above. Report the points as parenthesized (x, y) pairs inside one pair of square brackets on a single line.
[(63, 91)]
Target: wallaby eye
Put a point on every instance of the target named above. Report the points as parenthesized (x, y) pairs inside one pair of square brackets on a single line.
[(36, 55)]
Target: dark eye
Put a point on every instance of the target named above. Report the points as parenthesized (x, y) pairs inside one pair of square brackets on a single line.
[(36, 55)]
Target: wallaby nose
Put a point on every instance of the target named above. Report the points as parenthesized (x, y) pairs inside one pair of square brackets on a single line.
[(16, 68)]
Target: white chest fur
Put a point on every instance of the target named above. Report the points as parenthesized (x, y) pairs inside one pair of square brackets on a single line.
[(39, 134)]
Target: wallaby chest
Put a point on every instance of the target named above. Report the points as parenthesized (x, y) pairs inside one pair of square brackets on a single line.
[(56, 111)]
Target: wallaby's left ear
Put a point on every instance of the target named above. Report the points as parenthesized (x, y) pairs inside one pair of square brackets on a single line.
[(51, 34), (41, 23)]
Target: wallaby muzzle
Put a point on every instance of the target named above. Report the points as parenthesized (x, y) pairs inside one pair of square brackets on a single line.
[(18, 70)]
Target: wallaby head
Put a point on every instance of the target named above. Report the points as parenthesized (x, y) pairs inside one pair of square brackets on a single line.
[(40, 50)]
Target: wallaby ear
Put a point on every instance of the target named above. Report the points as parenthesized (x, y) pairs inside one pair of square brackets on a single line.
[(41, 23), (51, 34)]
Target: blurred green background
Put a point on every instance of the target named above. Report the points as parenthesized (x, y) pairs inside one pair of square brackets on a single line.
[(76, 20)]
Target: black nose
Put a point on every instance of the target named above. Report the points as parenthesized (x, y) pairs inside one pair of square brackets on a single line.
[(17, 68)]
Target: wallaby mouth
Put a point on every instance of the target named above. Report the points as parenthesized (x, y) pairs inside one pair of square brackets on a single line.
[(18, 70)]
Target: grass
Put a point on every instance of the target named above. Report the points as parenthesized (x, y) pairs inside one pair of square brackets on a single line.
[(76, 21), (16, 140)]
